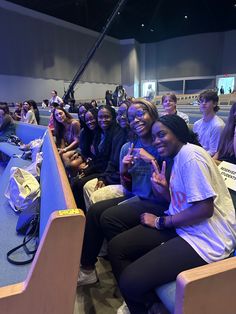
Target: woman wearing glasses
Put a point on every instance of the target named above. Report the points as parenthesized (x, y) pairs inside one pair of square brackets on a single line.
[(135, 171)]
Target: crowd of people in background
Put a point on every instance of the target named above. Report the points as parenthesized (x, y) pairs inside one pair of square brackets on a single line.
[(147, 183)]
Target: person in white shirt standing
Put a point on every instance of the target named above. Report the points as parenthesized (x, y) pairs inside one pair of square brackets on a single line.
[(210, 127), (169, 103), (55, 98)]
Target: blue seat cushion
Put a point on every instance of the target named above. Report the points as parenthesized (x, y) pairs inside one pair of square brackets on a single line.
[(10, 149), (166, 293), (10, 274)]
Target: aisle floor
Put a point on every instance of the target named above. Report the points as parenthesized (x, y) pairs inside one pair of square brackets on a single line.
[(102, 297)]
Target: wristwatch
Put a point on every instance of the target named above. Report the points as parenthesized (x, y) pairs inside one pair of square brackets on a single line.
[(160, 223)]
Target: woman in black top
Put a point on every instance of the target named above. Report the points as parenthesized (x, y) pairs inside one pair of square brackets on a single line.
[(111, 175), (102, 144)]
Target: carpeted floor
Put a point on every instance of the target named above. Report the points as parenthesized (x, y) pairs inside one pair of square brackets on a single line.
[(102, 297)]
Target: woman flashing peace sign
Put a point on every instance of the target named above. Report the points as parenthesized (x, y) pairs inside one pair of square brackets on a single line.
[(199, 226)]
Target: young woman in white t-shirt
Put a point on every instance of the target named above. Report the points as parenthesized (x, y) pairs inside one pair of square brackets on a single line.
[(198, 227)]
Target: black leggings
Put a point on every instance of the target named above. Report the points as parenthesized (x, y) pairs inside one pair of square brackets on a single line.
[(143, 258), (99, 213), (77, 186)]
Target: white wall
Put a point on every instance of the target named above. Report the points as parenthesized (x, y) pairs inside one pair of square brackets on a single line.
[(42, 53), (18, 88)]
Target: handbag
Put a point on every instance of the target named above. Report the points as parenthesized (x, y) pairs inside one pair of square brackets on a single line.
[(28, 224), (23, 191)]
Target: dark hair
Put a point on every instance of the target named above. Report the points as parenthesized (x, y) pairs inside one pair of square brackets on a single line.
[(33, 104), (87, 136), (55, 105), (226, 144), (87, 106), (54, 91), (171, 95), (110, 109), (96, 104), (109, 134), (59, 127), (209, 95), (94, 112), (126, 102), (179, 128), (4, 107), (46, 101)]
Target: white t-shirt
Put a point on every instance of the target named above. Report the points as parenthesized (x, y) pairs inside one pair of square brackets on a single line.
[(209, 133), (183, 116), (195, 177), (56, 99), (180, 114)]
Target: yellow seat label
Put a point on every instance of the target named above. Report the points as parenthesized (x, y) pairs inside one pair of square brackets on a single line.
[(66, 212)]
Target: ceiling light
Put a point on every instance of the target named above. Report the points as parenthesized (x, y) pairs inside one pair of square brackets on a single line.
[(185, 17), (151, 30), (142, 25), (235, 5), (118, 13)]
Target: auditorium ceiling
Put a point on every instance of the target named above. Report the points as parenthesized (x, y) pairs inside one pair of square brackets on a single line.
[(144, 20)]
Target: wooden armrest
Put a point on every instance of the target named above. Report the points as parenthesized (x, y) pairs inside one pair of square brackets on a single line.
[(51, 284), (207, 289)]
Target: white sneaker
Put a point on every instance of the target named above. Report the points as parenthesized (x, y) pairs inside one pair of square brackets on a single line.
[(123, 309), (87, 278)]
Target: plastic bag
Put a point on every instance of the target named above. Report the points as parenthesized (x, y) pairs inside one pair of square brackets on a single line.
[(35, 166), (23, 191)]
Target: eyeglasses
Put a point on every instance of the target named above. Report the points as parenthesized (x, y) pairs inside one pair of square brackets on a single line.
[(138, 114)]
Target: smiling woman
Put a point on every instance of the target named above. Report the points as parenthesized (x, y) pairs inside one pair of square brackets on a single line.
[(66, 131), (198, 227)]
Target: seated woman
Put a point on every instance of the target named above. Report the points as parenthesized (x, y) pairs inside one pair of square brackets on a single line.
[(72, 159), (227, 144), (82, 109), (107, 185), (199, 227), (102, 144), (35, 108), (27, 113), (17, 113), (169, 103), (7, 126), (135, 171), (66, 131)]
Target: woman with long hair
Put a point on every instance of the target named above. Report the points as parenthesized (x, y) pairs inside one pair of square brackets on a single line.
[(107, 184), (66, 130), (227, 145), (102, 144), (27, 113)]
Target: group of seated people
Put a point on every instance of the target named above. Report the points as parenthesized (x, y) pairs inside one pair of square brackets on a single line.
[(149, 186)]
